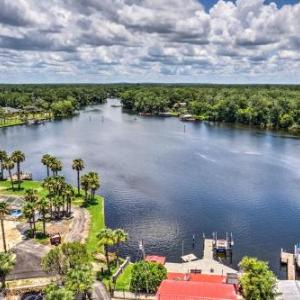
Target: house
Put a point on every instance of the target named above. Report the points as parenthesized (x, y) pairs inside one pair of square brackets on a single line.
[(180, 286)]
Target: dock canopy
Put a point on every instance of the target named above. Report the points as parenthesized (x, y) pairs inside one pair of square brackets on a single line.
[(189, 257), (155, 258)]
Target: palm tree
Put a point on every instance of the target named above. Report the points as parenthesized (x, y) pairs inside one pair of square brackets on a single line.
[(68, 194), (58, 203), (7, 262), (31, 195), (18, 157), (46, 162), (106, 238), (120, 237), (80, 279), (94, 183), (4, 210), (3, 157), (55, 165), (9, 165), (78, 165), (29, 213), (43, 207), (85, 184)]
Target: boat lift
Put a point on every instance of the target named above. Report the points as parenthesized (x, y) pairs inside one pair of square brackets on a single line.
[(222, 247)]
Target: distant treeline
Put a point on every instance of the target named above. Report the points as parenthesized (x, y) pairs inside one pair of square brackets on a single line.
[(265, 106), (61, 100)]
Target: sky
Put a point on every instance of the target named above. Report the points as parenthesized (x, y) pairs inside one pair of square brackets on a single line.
[(193, 41)]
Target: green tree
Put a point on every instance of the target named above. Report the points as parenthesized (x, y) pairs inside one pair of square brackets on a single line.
[(68, 194), (94, 183), (29, 213), (46, 159), (78, 165), (80, 279), (18, 157), (257, 281), (55, 165), (3, 158), (58, 293), (43, 208), (65, 257), (62, 109), (9, 166), (120, 237), (147, 276), (106, 238), (85, 184), (7, 263), (4, 210)]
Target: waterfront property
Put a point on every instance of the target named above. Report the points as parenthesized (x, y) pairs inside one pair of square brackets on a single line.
[(165, 183), (206, 265), (196, 286)]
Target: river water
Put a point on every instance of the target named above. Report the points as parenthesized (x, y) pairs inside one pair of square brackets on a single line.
[(165, 181)]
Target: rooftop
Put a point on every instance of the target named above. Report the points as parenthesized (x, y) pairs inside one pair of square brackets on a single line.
[(156, 258), (192, 290)]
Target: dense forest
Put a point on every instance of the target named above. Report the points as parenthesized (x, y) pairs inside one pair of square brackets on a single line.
[(61, 100), (267, 106), (264, 106)]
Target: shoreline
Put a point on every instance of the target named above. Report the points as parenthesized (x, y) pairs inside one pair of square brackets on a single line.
[(96, 210)]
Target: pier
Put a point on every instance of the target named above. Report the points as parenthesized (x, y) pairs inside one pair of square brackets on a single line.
[(206, 265), (208, 249), (288, 259)]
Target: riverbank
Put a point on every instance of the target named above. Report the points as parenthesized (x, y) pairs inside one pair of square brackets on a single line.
[(95, 209), (31, 119)]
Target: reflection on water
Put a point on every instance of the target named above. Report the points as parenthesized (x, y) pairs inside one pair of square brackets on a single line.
[(164, 182)]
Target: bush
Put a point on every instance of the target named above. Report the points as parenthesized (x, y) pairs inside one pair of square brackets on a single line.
[(147, 276), (257, 281)]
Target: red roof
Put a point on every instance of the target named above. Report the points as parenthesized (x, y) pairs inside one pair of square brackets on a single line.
[(195, 290), (156, 259), (197, 277)]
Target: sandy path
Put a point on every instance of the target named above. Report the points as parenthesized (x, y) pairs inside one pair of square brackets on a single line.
[(12, 234), (79, 227)]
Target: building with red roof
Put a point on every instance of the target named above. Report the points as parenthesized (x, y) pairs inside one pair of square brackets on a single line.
[(180, 286), (156, 258)]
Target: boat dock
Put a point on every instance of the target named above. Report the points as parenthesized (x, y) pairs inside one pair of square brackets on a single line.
[(208, 250), (288, 259), (207, 265)]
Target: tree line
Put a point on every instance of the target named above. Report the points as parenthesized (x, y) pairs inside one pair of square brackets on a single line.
[(265, 106)]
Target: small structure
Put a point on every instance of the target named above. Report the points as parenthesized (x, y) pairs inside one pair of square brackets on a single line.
[(206, 265), (55, 239), (187, 117), (223, 246), (23, 176), (156, 259), (289, 260), (189, 257)]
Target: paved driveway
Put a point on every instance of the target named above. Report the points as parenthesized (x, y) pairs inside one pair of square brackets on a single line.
[(28, 262)]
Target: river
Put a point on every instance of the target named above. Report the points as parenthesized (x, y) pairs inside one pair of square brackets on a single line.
[(165, 180)]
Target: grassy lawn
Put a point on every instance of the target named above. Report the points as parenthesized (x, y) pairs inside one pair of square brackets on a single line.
[(96, 208), (123, 282), (18, 121)]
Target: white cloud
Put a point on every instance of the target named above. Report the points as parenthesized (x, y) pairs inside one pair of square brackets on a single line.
[(148, 40)]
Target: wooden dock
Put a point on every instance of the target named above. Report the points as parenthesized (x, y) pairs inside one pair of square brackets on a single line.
[(208, 251), (288, 259)]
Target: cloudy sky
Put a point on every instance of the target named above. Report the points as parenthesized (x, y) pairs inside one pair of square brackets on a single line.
[(242, 41)]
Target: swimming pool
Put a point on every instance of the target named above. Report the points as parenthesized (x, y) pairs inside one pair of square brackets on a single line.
[(16, 213)]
